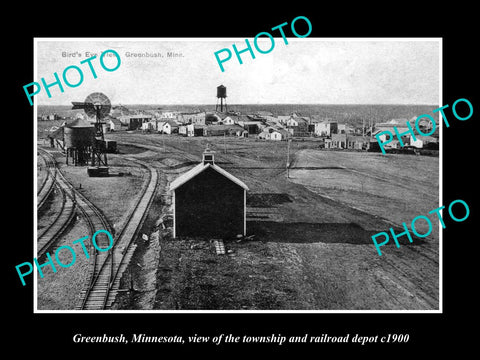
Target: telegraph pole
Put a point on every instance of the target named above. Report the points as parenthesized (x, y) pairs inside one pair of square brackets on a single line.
[(288, 157)]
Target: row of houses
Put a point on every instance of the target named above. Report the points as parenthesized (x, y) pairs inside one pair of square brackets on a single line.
[(419, 142), (264, 125), (344, 141), (46, 117), (212, 130)]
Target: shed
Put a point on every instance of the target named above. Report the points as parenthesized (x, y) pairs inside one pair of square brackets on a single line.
[(115, 124), (134, 122), (208, 201), (170, 127)]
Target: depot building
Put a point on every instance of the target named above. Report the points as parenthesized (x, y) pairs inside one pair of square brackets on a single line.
[(208, 202)]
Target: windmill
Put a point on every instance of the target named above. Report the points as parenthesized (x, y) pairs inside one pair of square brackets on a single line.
[(97, 105)]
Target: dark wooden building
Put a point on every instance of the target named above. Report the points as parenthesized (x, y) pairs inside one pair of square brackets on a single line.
[(208, 201)]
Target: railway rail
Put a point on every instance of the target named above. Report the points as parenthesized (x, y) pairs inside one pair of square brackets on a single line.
[(108, 267), (50, 234), (72, 200), (102, 262), (48, 184)]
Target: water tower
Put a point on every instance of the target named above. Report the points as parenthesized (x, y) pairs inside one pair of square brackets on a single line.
[(221, 94), (79, 138)]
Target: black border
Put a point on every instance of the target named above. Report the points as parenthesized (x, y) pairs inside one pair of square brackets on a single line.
[(430, 332)]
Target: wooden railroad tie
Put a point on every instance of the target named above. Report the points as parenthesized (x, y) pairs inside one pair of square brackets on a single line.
[(219, 246)]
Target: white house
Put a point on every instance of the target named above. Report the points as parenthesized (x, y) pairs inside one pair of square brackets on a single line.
[(282, 119), (325, 128), (183, 129), (148, 126), (114, 124), (169, 127), (421, 141), (264, 135), (278, 135), (194, 129), (158, 125), (168, 114), (193, 118), (292, 122)]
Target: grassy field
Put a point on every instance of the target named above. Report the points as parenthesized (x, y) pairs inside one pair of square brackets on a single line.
[(312, 248), (395, 187)]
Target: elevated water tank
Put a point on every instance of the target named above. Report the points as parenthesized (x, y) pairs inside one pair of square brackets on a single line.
[(221, 91), (79, 134)]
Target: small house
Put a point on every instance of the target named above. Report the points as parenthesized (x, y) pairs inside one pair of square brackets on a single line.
[(170, 127), (134, 122), (325, 128), (422, 141), (114, 124), (339, 141)]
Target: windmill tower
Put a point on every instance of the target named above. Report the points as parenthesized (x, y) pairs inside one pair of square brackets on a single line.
[(221, 94), (96, 105)]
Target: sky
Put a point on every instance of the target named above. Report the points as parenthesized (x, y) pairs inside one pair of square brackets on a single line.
[(304, 71)]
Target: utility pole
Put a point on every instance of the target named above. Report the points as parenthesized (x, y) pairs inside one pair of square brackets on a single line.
[(224, 144), (288, 157)]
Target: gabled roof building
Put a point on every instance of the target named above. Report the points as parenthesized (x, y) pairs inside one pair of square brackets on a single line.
[(208, 202)]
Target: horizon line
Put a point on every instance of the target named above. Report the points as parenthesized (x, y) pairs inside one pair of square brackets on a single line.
[(259, 104)]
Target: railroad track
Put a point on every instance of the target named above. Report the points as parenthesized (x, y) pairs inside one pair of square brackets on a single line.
[(48, 184), (48, 236), (93, 296), (108, 267), (72, 200), (159, 148)]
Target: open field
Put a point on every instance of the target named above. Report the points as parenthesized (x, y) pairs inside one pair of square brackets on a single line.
[(312, 248), (395, 187)]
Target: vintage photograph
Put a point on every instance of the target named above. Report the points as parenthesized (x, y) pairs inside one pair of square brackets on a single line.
[(165, 184)]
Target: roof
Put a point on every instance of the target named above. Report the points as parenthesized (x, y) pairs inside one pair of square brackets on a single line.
[(240, 117), (249, 122), (223, 127), (115, 121), (187, 113), (136, 116), (79, 123), (171, 123), (218, 115), (298, 119), (325, 121), (56, 134), (281, 131), (189, 175), (427, 139), (357, 138), (263, 113)]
